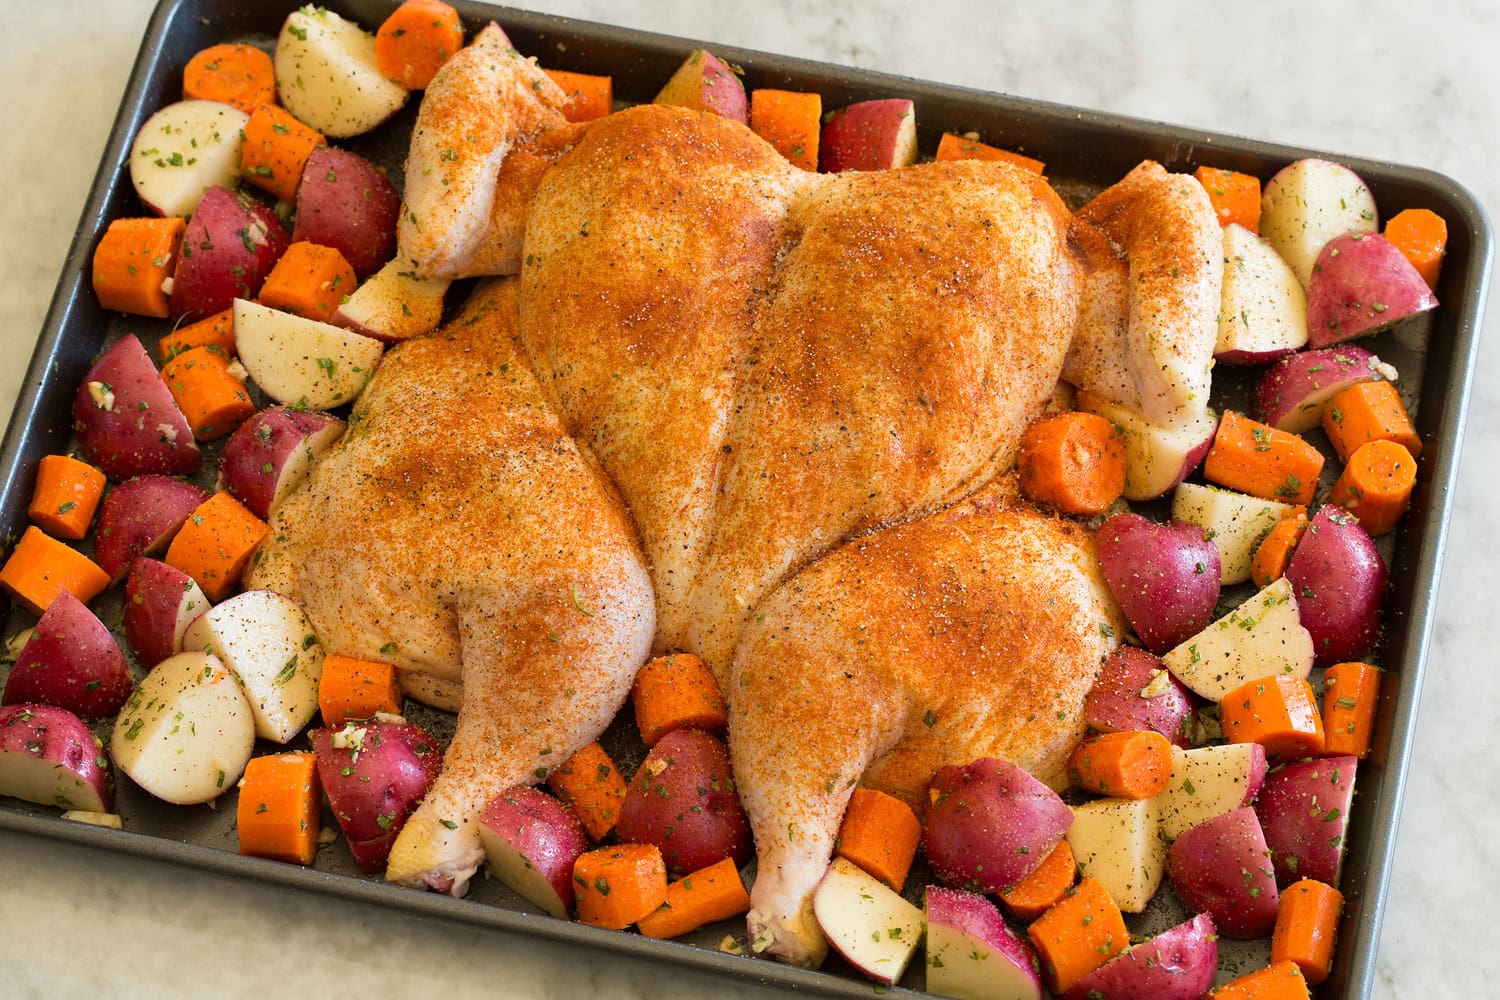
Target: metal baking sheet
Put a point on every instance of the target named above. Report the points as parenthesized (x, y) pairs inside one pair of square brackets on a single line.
[(1083, 150)]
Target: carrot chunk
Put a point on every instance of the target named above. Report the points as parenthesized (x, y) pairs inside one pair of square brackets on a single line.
[(240, 75), (1078, 934), (278, 812), (1258, 459), (1351, 692), (1280, 713), (40, 567), (1368, 411), (589, 96), (676, 691), (1307, 922), (709, 894), (276, 149), (592, 785), (1043, 888), (215, 543), (132, 260), (1376, 485), (961, 147), (616, 886), (412, 44), (880, 834), (1274, 553), (67, 494), (215, 331), (1234, 196), (309, 280), (351, 688), (1074, 461), (790, 121), (209, 394), (1422, 237), (1127, 765), (1277, 981)]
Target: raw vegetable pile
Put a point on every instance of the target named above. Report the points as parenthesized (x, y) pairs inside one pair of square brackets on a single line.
[(1226, 741)]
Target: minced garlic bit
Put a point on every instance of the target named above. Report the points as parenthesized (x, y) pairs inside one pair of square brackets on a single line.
[(349, 738), (731, 945), (102, 395), (395, 717), (17, 642), (1160, 684)]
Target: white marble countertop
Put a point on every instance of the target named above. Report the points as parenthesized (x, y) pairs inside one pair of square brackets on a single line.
[(1412, 83)]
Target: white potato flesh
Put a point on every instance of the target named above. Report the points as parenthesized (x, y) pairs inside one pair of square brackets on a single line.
[(1207, 782), (299, 361), (394, 304), (1263, 308), (875, 930), (1116, 843), (327, 75), (1308, 203), (183, 150), (1263, 637), (271, 647), (187, 731), (1235, 522)]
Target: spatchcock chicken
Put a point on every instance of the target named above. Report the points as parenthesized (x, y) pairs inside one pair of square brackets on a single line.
[(718, 404)]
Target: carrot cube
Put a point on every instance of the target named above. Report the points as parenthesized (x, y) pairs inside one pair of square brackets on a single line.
[(880, 834), (67, 494), (215, 331), (790, 121), (1351, 692), (1043, 888), (356, 689), (1260, 460), (1277, 981), (275, 150), (1368, 411), (1422, 237), (132, 260), (1307, 923), (589, 97), (278, 812), (616, 886), (309, 280), (1234, 196), (212, 398), (709, 894), (1077, 935), (593, 786), (40, 567), (676, 691), (1280, 713), (963, 147), (215, 543)]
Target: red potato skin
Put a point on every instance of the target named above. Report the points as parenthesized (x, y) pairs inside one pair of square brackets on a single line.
[(1164, 576), (1177, 964), (1340, 580), (992, 825), (863, 136), (143, 431), (1222, 867), (154, 596), (267, 441), (384, 783), (222, 259), (346, 203), (1304, 810), (55, 734), (139, 517), (71, 661), (1291, 394), (683, 800), (1362, 284), (544, 831), (1116, 705)]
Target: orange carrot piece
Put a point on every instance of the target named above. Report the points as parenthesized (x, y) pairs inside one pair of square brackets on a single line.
[(592, 785), (215, 331), (1376, 485), (351, 688), (1280, 713), (212, 398), (1277, 981), (709, 894), (961, 147), (309, 280), (240, 75), (278, 812), (132, 260), (67, 494), (880, 834), (1274, 553), (415, 40), (1422, 237), (1131, 764), (1074, 461), (275, 150), (1077, 935), (790, 121), (1258, 459), (589, 96), (1043, 888), (616, 886), (40, 567), (1234, 196), (1368, 411), (1351, 692), (1307, 922), (215, 543), (676, 691)]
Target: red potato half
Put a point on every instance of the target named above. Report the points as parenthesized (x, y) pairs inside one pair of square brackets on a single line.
[(48, 756), (1209, 781), (1362, 284), (394, 305), (872, 927), (375, 774), (992, 825), (1292, 393), (704, 83), (345, 202), (269, 455), (1304, 810), (1164, 576), (71, 661), (126, 420), (1223, 868), (530, 843), (1308, 203), (869, 135), (161, 601), (140, 517), (683, 800), (1263, 308), (1177, 964), (972, 953), (1339, 579), (1135, 691), (183, 150), (231, 244)]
